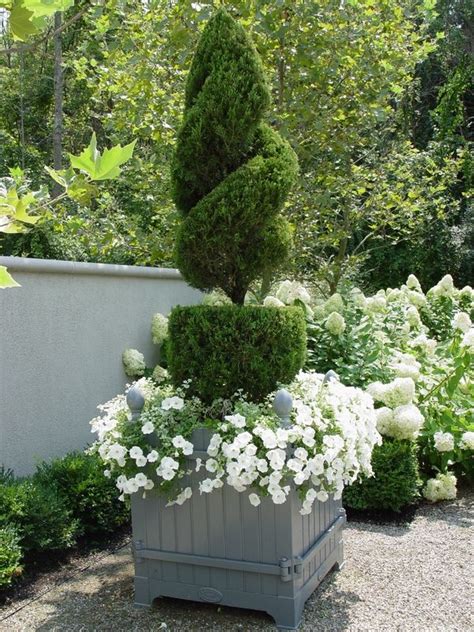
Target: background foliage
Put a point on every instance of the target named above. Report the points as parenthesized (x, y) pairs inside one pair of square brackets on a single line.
[(375, 97)]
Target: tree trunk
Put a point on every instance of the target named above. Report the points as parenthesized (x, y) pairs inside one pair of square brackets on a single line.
[(58, 101)]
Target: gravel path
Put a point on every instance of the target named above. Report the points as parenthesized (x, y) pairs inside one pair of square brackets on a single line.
[(415, 577)]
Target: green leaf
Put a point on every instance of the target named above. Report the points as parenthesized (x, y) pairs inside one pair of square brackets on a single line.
[(21, 26), (41, 8), (6, 280), (105, 166)]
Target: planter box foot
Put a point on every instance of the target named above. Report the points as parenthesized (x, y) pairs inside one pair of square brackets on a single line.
[(287, 617)]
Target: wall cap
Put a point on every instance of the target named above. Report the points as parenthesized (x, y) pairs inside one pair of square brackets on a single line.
[(52, 266)]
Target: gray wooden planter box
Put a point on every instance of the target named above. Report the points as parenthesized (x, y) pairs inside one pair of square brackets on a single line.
[(218, 548)]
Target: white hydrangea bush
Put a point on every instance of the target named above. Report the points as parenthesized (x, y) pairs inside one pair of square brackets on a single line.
[(326, 446), (414, 352)]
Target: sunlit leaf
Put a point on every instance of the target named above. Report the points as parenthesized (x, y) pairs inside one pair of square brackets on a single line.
[(6, 279)]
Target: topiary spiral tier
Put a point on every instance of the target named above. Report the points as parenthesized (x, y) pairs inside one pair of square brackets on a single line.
[(231, 175), (231, 172)]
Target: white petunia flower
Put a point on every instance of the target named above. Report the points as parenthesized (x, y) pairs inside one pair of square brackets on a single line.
[(152, 456), (236, 420), (254, 500), (148, 427), (172, 403), (135, 452)]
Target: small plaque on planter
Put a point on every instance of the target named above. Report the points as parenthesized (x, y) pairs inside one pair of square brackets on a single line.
[(210, 595)]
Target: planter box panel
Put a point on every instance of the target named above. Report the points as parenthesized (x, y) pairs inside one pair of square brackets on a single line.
[(218, 548)]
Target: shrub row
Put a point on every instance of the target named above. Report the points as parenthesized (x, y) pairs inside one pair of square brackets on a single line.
[(65, 499)]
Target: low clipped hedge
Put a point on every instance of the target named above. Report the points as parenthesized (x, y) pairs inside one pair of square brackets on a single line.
[(395, 483), (79, 480), (41, 517), (222, 349), (65, 499)]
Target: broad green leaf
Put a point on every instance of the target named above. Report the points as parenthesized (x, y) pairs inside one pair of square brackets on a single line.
[(105, 166), (6, 279), (81, 190), (21, 26), (58, 176), (41, 8)]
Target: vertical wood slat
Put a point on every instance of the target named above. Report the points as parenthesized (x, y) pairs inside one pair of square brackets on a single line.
[(214, 504), (184, 543), (153, 532), (233, 534), (200, 535), (251, 540), (168, 539), (268, 522)]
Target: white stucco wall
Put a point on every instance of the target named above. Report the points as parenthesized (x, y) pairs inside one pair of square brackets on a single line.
[(62, 335)]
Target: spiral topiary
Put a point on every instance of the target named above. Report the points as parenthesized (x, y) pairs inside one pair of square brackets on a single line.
[(231, 172)]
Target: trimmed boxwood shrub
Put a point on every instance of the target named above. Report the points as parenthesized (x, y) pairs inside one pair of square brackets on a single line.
[(231, 172), (395, 483), (10, 555), (38, 514), (230, 347), (91, 498)]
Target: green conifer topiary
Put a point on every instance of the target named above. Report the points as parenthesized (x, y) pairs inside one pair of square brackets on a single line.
[(231, 172)]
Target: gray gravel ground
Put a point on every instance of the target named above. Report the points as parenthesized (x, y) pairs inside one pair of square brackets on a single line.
[(416, 577)]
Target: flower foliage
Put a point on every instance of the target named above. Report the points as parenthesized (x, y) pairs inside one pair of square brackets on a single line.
[(327, 445)]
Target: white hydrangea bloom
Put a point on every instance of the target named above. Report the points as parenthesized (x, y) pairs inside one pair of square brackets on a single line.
[(159, 328), (357, 297), (407, 422), (468, 340), (467, 441), (406, 365), (335, 303), (404, 422), (443, 441), (397, 393), (462, 322), (445, 287), (375, 304), (216, 298), (273, 301), (443, 487), (159, 374), (335, 324), (133, 362), (413, 283), (427, 345), (467, 292), (413, 317)]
